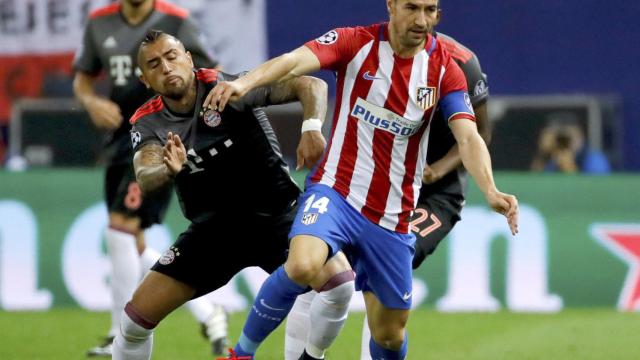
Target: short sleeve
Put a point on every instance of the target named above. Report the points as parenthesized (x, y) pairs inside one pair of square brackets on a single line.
[(335, 48), (194, 41), (87, 59), (142, 134), (476, 81), (455, 102)]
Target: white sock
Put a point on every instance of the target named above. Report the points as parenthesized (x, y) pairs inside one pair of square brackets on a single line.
[(148, 258), (328, 314), (297, 329), (366, 337), (200, 308), (125, 272), (133, 342)]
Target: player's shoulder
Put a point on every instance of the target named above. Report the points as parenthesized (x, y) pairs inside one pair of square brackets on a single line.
[(207, 76), (147, 110), (352, 34), (170, 9), (457, 50), (105, 11)]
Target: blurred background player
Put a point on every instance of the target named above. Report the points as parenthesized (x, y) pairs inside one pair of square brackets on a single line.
[(229, 175), (391, 78), (110, 44)]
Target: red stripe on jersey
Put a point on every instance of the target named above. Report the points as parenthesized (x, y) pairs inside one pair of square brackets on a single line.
[(150, 107), (349, 151), (105, 10), (170, 9), (457, 51), (410, 162), (459, 116), (397, 100), (207, 75), (339, 89)]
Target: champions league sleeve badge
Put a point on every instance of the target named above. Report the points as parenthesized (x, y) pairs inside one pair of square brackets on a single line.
[(212, 118)]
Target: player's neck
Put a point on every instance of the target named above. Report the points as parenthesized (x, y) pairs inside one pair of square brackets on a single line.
[(136, 14), (185, 104)]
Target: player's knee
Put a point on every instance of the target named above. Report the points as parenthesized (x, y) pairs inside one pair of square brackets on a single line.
[(302, 271), (134, 327), (339, 289)]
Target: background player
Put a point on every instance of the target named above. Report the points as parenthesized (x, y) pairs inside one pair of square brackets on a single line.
[(390, 79), (111, 39), (230, 178)]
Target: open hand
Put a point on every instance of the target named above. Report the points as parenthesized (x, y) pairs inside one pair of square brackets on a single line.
[(175, 155), (506, 205), (222, 93)]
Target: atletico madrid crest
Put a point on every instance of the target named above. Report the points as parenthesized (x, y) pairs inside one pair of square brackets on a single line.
[(309, 218), (426, 97)]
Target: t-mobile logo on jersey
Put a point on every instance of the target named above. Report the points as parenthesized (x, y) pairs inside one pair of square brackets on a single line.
[(120, 69)]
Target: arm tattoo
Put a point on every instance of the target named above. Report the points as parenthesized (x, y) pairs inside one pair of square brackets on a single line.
[(310, 91), (151, 172)]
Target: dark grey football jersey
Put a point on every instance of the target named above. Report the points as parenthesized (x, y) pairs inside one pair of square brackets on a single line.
[(110, 44), (233, 158), (440, 136)]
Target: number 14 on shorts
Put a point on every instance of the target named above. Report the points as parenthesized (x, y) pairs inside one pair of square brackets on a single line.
[(321, 205)]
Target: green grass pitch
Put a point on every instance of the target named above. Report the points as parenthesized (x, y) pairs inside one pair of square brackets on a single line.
[(572, 334)]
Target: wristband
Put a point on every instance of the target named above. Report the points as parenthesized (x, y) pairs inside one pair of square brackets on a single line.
[(312, 125)]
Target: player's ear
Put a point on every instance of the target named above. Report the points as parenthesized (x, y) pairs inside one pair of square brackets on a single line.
[(143, 79), (190, 58), (390, 6), (438, 17)]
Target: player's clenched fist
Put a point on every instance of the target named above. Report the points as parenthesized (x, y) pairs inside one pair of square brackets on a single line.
[(175, 155), (104, 113)]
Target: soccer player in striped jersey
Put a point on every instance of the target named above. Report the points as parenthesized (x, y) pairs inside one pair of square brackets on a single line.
[(391, 79)]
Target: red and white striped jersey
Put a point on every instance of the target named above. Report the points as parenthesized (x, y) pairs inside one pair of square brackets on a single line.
[(377, 151)]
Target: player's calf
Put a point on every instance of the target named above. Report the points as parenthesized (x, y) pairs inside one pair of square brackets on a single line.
[(135, 340)]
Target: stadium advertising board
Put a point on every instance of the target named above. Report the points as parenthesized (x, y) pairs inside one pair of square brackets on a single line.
[(579, 245)]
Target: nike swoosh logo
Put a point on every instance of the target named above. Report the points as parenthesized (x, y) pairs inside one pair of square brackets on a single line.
[(406, 296), (367, 76), (269, 307)]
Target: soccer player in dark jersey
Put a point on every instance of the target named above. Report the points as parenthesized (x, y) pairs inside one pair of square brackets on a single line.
[(111, 39), (228, 173)]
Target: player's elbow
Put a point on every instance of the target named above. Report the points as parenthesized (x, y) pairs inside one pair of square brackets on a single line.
[(313, 85)]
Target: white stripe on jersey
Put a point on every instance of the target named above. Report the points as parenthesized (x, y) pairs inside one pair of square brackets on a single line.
[(350, 78), (363, 171)]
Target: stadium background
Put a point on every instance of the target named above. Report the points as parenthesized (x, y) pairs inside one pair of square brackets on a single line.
[(579, 245)]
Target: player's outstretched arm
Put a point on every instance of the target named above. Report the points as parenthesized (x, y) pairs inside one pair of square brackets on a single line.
[(156, 166), (284, 67), (104, 113), (451, 160), (476, 159)]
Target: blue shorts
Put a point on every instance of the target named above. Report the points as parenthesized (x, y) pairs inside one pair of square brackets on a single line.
[(381, 258)]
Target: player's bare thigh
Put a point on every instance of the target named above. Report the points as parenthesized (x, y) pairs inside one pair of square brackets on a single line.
[(307, 256), (158, 295)]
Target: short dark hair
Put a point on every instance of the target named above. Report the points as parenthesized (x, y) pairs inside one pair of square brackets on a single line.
[(151, 37)]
